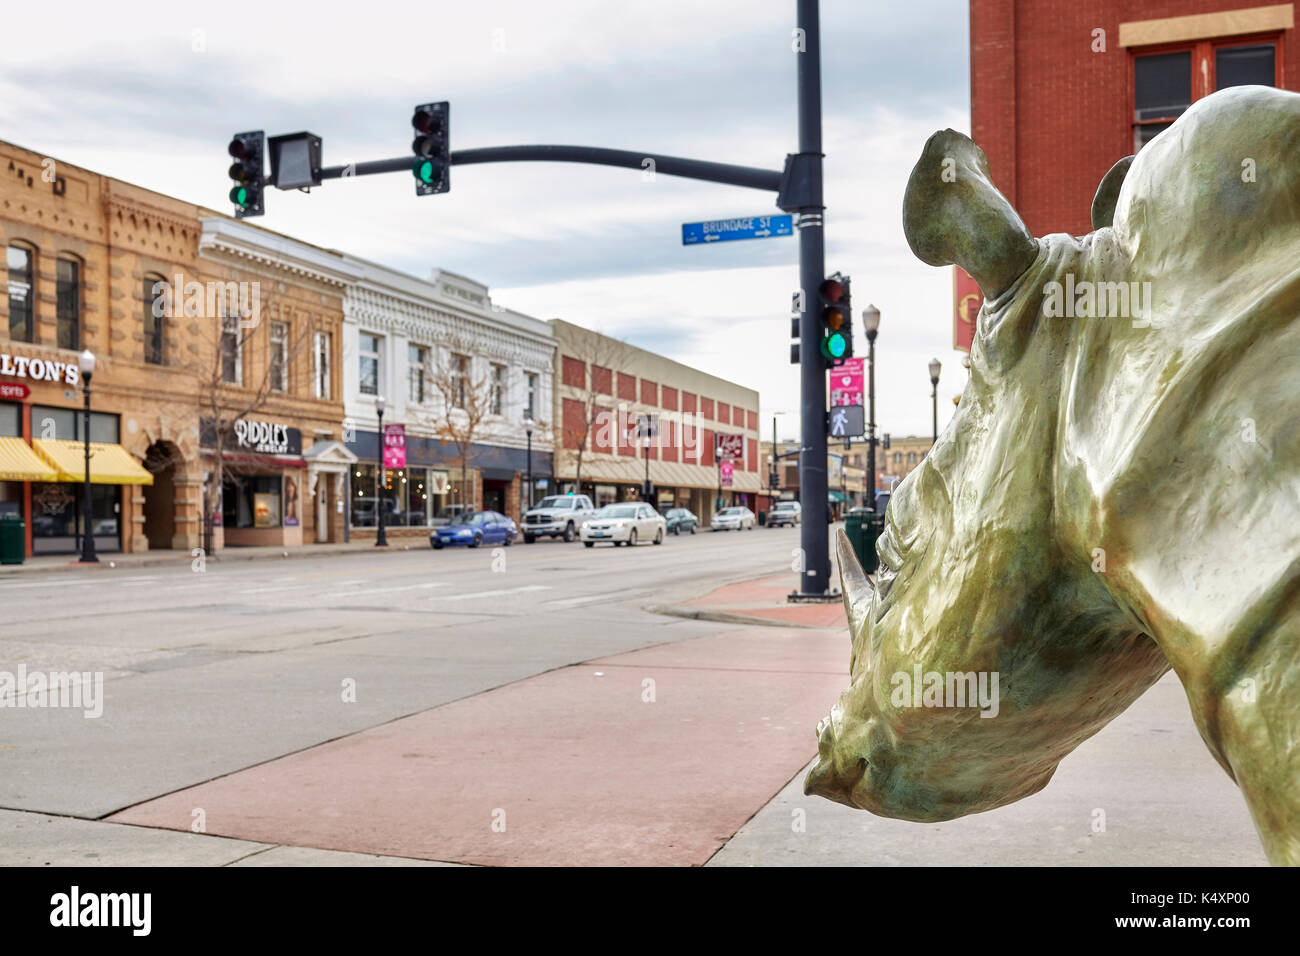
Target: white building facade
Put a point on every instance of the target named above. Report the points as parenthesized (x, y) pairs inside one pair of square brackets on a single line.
[(469, 382)]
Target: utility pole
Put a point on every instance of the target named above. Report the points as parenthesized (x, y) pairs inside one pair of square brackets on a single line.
[(814, 541)]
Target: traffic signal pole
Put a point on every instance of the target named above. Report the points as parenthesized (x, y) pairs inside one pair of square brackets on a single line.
[(814, 579), (799, 191)]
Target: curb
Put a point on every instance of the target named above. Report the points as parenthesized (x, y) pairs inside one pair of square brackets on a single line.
[(219, 558), (723, 617)]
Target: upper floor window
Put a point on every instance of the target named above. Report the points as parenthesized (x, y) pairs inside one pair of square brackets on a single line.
[(369, 364), (279, 356), (898, 458), (21, 296), (1166, 82), (498, 395), (530, 406), (460, 379), (417, 358), (322, 344), (155, 307), (68, 307), (232, 349)]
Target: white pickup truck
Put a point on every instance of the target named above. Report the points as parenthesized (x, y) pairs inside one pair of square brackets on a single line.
[(557, 516)]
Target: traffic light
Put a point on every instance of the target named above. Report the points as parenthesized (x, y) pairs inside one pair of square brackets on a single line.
[(246, 170), (432, 164), (847, 328), (833, 296)]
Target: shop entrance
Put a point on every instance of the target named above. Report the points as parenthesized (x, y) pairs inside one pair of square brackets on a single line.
[(160, 497), (494, 495)]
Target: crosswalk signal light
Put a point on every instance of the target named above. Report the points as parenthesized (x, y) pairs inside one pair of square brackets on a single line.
[(247, 172), (431, 146), (833, 296)]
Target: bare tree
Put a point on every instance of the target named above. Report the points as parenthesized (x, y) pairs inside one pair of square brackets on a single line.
[(603, 360), (466, 401)]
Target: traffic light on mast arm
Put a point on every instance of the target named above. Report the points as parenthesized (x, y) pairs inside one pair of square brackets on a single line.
[(247, 172), (431, 146), (833, 302)]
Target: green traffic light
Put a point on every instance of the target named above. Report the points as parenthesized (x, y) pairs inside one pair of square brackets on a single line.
[(834, 345), (424, 170), (239, 196)]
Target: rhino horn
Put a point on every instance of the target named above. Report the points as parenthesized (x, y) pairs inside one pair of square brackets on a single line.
[(1103, 204), (854, 585)]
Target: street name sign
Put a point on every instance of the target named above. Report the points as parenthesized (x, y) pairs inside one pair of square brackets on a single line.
[(741, 227)]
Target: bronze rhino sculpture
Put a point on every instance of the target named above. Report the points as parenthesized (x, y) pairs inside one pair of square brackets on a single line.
[(1117, 493)]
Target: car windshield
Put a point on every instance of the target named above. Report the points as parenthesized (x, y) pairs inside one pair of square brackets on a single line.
[(618, 511), (786, 506), (556, 501), (730, 512), (466, 517)]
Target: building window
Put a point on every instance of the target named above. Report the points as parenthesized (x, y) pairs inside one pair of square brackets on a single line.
[(911, 458), (232, 349), (279, 356), (321, 365), (68, 307), (19, 259), (898, 458), (460, 378), (498, 390), (530, 408), (369, 364), (252, 501), (417, 358), (1166, 83), (155, 307)]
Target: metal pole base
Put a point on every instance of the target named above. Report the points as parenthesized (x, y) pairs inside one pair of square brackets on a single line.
[(823, 597)]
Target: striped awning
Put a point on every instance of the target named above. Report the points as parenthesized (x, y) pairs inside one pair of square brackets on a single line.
[(109, 464), (19, 463)]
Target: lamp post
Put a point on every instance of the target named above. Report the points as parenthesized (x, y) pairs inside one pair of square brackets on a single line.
[(381, 540), (86, 362), (528, 430), (645, 453), (934, 397), (871, 323)]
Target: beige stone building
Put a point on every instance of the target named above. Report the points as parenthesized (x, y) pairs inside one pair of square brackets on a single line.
[(603, 387)]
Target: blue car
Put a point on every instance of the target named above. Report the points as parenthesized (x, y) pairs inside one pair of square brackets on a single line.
[(474, 528)]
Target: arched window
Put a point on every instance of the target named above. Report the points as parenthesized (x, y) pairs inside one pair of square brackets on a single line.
[(898, 458), (21, 261), (156, 298), (68, 307), (911, 458)]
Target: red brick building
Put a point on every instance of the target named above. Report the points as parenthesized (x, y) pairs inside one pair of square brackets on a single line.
[(1061, 91)]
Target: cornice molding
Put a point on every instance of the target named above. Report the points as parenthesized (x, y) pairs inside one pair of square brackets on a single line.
[(244, 242)]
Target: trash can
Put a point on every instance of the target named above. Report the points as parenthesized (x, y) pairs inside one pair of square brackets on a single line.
[(762, 518), (13, 547), (863, 529)]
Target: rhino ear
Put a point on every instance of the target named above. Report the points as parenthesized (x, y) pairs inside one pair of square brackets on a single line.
[(1103, 204), (854, 585)]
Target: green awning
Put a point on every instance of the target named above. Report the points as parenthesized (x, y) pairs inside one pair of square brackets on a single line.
[(839, 496)]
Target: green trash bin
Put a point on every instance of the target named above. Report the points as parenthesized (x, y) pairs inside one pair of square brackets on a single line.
[(863, 528), (13, 547), (762, 518)]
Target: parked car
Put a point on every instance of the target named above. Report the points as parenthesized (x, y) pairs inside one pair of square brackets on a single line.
[(681, 519), (628, 522), (736, 518), (882, 502), (557, 516), (472, 529), (448, 514), (785, 512)]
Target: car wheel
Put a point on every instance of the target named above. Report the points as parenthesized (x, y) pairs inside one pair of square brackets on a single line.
[(692, 529), (568, 531), (529, 538), (478, 539), (678, 531), (437, 546), (659, 536), (509, 538), (631, 539), (589, 544)]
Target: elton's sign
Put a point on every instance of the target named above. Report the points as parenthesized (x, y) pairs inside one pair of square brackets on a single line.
[(40, 370)]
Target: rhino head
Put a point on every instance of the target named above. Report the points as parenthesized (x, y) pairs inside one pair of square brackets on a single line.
[(1050, 549)]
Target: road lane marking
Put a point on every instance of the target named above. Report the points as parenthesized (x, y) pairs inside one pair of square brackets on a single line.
[(483, 594), (399, 587)]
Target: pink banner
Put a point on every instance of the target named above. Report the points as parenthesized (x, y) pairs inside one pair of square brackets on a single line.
[(726, 469), (394, 446), (847, 383)]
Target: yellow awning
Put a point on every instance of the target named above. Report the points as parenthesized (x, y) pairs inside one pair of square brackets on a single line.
[(109, 464), (19, 463)]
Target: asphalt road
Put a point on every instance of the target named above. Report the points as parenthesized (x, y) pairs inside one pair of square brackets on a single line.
[(210, 671)]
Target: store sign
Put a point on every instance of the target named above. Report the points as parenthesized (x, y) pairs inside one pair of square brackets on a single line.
[(729, 447), (39, 370), (438, 482), (726, 469), (14, 391), (268, 438), (394, 446)]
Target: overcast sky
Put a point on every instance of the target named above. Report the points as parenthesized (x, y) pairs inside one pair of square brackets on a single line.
[(151, 92)]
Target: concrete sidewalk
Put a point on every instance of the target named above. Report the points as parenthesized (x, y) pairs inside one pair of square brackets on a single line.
[(759, 601)]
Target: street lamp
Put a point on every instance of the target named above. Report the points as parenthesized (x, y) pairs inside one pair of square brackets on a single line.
[(528, 430), (645, 453), (934, 397), (86, 362), (381, 539), (871, 323)]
